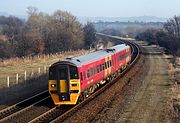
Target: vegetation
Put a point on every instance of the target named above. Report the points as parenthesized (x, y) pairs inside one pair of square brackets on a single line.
[(168, 37), (43, 34), (89, 32), (130, 29)]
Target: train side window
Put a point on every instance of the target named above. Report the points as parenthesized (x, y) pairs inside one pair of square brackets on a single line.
[(122, 57), (91, 70), (107, 63), (81, 76), (88, 73), (95, 70), (103, 67), (84, 75), (110, 63), (98, 68)]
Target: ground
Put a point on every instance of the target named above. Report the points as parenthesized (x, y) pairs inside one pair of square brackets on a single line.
[(147, 104)]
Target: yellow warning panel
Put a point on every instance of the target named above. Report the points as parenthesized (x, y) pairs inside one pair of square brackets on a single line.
[(73, 100), (63, 86)]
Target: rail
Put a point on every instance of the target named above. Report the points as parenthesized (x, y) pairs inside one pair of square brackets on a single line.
[(4, 113)]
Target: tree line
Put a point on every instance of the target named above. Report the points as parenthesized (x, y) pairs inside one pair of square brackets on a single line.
[(125, 28), (168, 36), (43, 34)]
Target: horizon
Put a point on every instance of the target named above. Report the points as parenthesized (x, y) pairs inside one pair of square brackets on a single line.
[(85, 19), (8, 14)]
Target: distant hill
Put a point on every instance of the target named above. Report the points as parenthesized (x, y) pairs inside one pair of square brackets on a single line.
[(126, 28), (122, 26), (21, 17), (122, 19)]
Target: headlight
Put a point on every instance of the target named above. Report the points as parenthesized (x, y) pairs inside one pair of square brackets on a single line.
[(53, 85)]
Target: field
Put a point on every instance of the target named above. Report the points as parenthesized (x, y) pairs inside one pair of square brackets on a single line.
[(29, 67)]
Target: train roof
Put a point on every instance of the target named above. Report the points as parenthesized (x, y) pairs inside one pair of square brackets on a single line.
[(94, 56)]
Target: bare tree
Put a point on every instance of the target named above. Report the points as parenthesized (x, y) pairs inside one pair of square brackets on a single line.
[(67, 31), (43, 33), (32, 42), (89, 33), (12, 27), (172, 27), (31, 10)]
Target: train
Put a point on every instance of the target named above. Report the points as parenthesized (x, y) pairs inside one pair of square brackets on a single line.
[(73, 79)]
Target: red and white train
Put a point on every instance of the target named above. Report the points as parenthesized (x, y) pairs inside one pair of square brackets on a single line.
[(74, 79)]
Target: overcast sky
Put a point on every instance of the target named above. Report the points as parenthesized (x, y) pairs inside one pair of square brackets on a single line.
[(94, 8)]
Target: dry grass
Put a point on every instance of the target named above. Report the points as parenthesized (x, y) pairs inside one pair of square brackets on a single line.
[(174, 99), (29, 64)]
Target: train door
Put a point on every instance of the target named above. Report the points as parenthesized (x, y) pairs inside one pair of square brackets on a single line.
[(63, 82)]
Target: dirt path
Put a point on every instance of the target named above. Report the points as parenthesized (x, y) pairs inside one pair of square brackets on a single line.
[(147, 104)]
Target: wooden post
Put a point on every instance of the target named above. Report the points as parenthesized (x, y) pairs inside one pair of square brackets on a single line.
[(8, 81), (17, 78), (25, 76), (39, 70)]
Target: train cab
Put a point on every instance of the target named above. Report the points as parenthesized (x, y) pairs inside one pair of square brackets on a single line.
[(64, 83)]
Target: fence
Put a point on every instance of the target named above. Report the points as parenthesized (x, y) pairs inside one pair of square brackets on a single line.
[(23, 77)]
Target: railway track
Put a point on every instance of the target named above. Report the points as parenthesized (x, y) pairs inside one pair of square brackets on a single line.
[(58, 114), (13, 111)]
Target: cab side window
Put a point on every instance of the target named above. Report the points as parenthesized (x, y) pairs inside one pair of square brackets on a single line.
[(73, 72)]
